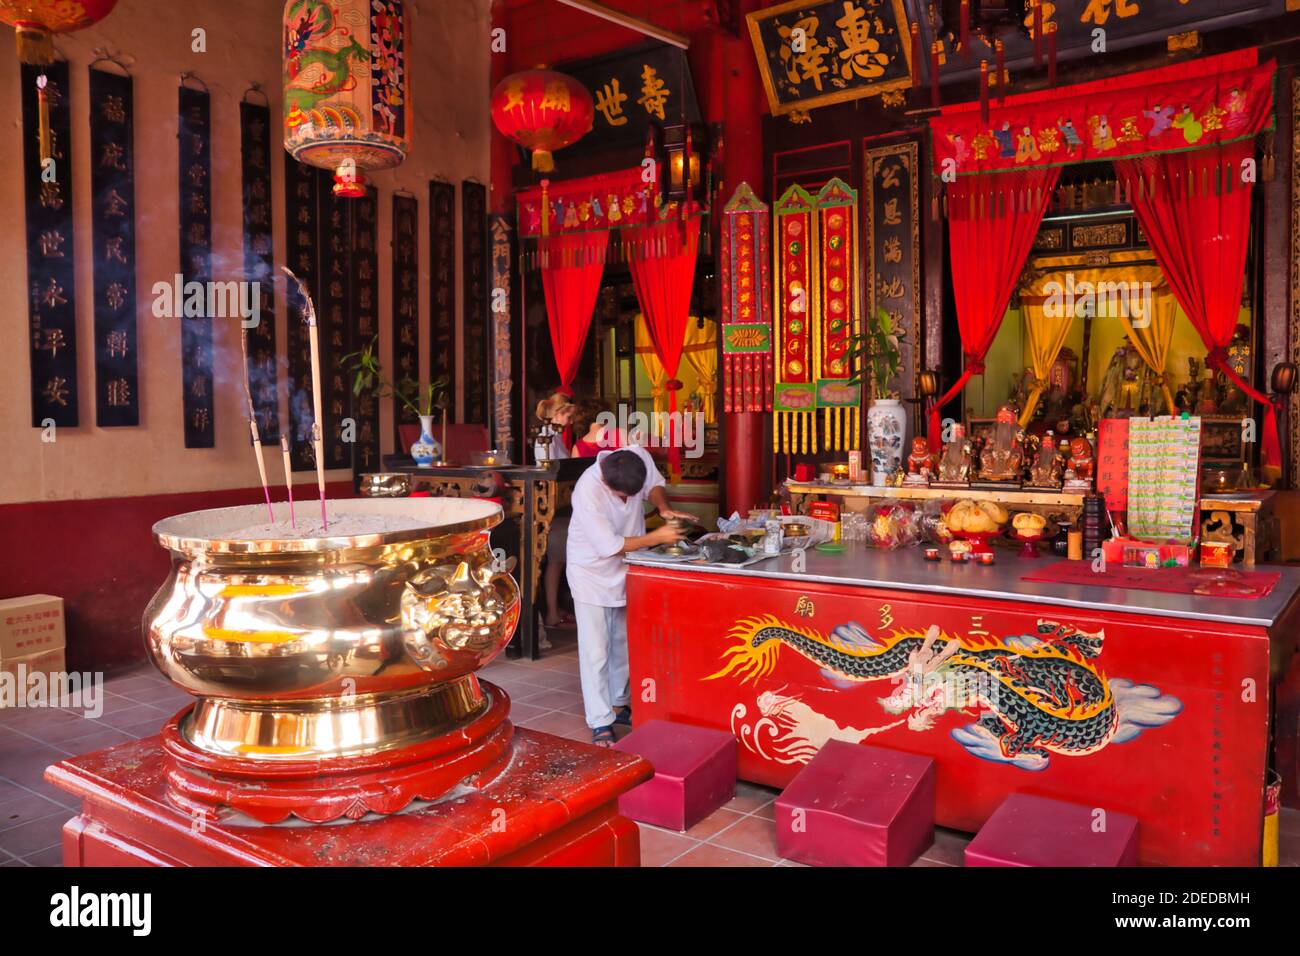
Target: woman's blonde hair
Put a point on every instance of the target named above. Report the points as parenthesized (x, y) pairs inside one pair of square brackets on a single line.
[(548, 408)]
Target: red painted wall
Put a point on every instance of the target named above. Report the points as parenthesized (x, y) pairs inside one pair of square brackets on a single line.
[(100, 557)]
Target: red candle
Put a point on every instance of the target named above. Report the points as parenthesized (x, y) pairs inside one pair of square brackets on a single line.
[(984, 91), (1002, 73), (934, 74), (916, 57), (965, 29)]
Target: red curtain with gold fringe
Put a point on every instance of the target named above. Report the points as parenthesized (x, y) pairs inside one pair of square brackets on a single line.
[(992, 221)]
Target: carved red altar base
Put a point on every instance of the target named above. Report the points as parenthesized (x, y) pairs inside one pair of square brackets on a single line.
[(555, 804)]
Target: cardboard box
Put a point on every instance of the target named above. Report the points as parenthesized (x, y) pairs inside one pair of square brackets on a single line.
[(31, 625), (20, 669)]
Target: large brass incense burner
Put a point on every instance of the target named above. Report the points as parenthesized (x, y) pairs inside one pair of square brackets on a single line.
[(349, 646)]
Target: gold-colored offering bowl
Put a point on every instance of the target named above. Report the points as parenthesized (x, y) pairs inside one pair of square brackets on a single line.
[(352, 640)]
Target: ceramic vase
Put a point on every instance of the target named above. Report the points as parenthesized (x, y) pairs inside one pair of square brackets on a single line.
[(426, 449), (886, 437)]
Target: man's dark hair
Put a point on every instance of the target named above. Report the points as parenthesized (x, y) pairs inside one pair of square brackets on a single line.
[(623, 471)]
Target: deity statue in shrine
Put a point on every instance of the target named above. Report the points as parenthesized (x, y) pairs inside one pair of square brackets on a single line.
[(1003, 454), (954, 466), (920, 462), (1045, 472), (1079, 469)]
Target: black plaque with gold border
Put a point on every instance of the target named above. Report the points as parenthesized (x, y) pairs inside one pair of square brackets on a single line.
[(405, 361), (195, 155), (474, 329), (51, 278), (112, 216), (259, 264)]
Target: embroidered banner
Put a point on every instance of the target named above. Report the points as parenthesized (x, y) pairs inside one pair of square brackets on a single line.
[(405, 362), (607, 201), (112, 216), (333, 303), (474, 273), (51, 279), (746, 284), (259, 265), (499, 234), (363, 328), (1185, 106), (795, 347), (837, 297), (301, 185), (442, 284), (893, 245), (195, 141)]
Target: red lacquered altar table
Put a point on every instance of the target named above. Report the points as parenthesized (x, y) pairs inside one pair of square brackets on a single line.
[(1153, 704)]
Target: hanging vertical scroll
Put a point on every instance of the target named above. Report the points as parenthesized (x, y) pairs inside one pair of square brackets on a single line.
[(893, 245), (499, 234), (112, 186), (746, 284), (794, 429), (838, 396), (364, 327), (301, 185), (474, 273), (259, 266), (406, 301), (50, 276), (195, 141), (333, 303), (442, 283)]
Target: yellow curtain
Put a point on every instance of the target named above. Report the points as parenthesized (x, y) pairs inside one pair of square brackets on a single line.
[(1152, 341), (654, 369), (1047, 334), (701, 350)]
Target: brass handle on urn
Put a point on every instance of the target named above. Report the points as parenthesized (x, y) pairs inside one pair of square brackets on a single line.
[(453, 610)]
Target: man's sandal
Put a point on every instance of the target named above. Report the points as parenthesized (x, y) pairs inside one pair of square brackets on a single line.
[(603, 736), (623, 716)]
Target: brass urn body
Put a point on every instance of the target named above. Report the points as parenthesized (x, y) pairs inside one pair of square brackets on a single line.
[(336, 645)]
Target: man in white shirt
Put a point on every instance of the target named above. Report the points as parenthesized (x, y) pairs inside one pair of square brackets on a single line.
[(608, 521)]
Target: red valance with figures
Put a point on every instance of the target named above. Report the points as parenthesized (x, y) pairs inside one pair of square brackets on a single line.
[(614, 200), (1200, 103)]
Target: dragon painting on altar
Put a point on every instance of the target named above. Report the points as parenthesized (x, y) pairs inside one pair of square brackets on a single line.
[(1032, 696)]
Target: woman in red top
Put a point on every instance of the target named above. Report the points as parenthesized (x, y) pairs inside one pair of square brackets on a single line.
[(592, 434)]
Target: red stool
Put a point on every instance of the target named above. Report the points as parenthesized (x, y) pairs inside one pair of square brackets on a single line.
[(1036, 831), (695, 773), (857, 806)]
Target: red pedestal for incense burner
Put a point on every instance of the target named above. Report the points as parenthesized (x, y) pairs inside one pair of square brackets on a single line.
[(505, 797)]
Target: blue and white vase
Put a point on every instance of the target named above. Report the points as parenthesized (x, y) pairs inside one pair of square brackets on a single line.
[(426, 449), (886, 435)]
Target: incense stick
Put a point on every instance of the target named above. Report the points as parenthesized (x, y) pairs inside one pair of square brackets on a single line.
[(316, 435), (252, 427), (288, 477)]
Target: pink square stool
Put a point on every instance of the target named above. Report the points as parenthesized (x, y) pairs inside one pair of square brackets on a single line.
[(1036, 831), (857, 806), (695, 773)]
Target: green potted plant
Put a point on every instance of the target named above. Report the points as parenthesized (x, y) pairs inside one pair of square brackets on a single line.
[(423, 400), (877, 349)]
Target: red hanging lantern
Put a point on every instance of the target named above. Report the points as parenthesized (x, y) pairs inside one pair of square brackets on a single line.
[(543, 111), (36, 22)]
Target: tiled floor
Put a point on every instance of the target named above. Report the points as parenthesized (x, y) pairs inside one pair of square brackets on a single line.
[(545, 695)]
